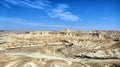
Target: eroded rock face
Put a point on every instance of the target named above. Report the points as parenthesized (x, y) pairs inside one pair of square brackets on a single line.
[(60, 49)]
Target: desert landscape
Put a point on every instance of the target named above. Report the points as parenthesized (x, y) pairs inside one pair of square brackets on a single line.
[(65, 48), (59, 33)]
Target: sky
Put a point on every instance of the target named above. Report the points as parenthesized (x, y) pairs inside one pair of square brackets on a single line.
[(59, 14)]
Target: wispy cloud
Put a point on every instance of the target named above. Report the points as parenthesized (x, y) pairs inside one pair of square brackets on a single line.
[(59, 11), (38, 4), (6, 5), (62, 13), (109, 19), (19, 21), (29, 24)]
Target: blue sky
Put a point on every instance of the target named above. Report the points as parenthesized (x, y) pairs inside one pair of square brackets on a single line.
[(60, 14)]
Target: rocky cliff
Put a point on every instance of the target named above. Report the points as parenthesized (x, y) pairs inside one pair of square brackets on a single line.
[(66, 48)]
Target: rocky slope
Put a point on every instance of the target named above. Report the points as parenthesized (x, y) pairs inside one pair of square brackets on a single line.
[(64, 48)]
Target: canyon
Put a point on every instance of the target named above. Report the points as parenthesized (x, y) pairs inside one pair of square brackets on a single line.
[(65, 48)]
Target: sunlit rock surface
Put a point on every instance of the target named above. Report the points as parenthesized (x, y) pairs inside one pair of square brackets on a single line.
[(66, 48)]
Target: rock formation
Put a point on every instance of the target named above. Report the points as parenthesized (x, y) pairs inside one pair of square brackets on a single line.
[(64, 48)]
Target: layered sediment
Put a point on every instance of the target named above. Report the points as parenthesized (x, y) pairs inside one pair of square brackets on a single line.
[(64, 48)]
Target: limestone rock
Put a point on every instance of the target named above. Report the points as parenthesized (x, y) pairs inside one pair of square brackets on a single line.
[(65, 48)]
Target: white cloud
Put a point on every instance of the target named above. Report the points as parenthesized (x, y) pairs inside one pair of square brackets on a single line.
[(26, 22), (60, 11), (13, 2), (38, 4)]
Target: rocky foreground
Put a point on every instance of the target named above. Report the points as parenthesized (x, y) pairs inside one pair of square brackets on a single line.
[(60, 48)]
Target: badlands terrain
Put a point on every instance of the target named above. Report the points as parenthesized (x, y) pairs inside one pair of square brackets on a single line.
[(66, 48)]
